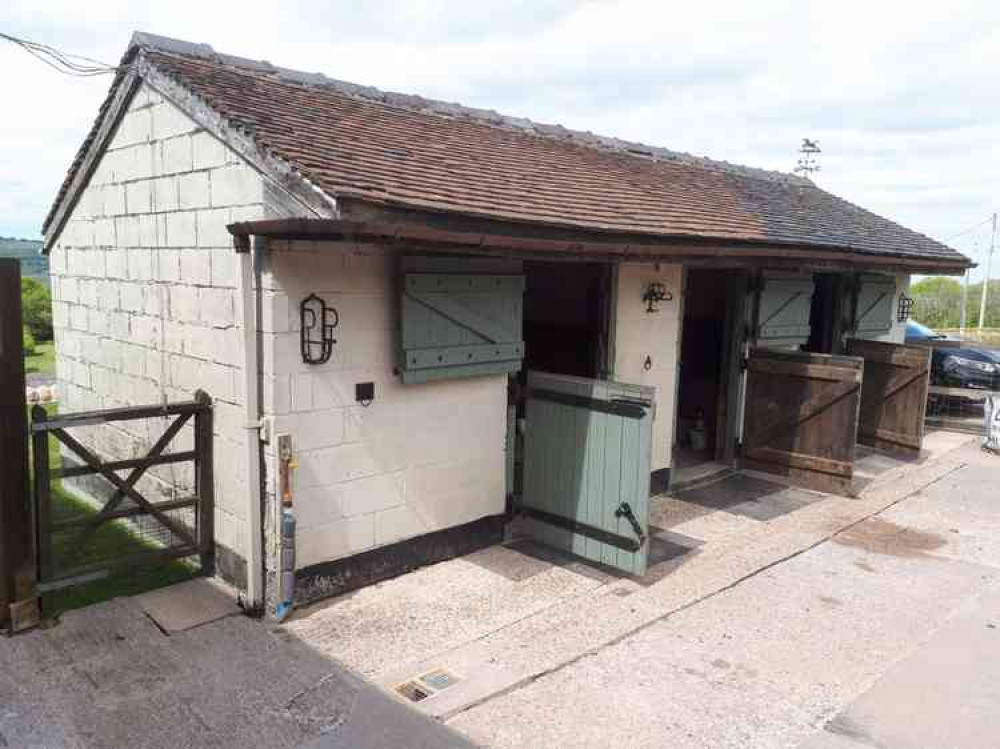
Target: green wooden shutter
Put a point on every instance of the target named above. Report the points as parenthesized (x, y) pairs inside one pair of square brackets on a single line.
[(458, 325), (874, 306), (783, 310)]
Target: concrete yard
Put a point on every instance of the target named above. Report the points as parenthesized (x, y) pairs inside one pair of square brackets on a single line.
[(111, 677), (770, 617), (776, 618)]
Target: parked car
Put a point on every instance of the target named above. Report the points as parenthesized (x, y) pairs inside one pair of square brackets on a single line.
[(957, 366)]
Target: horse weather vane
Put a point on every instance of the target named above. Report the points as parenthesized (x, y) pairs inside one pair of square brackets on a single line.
[(807, 164)]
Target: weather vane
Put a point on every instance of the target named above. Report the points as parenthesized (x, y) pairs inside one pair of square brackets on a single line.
[(807, 164)]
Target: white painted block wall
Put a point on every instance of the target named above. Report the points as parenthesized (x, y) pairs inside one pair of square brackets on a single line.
[(638, 334), (898, 332), (144, 286), (420, 458)]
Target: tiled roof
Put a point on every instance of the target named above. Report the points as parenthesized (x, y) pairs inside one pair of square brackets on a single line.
[(355, 141)]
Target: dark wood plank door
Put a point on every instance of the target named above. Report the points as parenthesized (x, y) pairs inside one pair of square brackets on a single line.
[(893, 395), (802, 417)]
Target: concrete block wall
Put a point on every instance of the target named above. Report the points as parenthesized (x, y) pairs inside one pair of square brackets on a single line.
[(898, 332), (638, 334), (144, 282), (418, 459)]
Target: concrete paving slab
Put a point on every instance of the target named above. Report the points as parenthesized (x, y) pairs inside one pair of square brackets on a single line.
[(758, 665), (520, 652), (964, 509), (188, 604), (944, 695), (415, 616), (108, 677)]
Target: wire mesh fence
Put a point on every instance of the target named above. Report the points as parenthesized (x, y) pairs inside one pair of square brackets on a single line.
[(965, 383)]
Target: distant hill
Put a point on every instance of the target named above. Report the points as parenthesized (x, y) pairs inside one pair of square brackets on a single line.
[(29, 251)]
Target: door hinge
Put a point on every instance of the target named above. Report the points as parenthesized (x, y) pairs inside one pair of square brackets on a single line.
[(625, 511)]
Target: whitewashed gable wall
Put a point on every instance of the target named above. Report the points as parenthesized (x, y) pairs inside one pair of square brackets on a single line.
[(144, 284)]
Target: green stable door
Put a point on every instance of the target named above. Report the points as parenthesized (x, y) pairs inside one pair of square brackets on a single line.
[(587, 447)]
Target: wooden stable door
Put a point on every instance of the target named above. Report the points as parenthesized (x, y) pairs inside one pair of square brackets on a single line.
[(586, 468), (894, 394), (802, 417)]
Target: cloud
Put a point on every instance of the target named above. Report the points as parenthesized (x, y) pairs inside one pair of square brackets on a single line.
[(900, 94)]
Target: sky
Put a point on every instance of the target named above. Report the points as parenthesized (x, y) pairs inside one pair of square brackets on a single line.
[(902, 96)]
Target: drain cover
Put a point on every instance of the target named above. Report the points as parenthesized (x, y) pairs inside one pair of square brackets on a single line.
[(438, 680), (412, 691), (422, 687)]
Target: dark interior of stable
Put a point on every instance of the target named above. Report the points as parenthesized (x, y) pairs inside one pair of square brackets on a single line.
[(822, 314), (702, 380), (564, 318), (565, 330)]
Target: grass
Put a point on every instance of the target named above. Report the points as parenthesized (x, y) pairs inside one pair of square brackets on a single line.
[(43, 361), (110, 539)]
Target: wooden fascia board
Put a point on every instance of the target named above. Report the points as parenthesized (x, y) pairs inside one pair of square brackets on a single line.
[(591, 247)]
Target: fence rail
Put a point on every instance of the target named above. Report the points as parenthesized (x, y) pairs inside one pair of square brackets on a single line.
[(958, 409), (961, 404), (147, 531)]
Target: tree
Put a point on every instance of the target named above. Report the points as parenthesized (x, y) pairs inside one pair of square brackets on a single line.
[(27, 342), (36, 304), (937, 302)]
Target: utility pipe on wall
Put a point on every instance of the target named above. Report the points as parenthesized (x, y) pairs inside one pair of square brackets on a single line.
[(249, 254)]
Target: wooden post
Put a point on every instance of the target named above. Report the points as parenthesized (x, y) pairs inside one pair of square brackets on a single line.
[(205, 482), (42, 495), (16, 561)]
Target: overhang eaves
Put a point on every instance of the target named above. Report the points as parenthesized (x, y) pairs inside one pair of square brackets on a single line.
[(586, 246)]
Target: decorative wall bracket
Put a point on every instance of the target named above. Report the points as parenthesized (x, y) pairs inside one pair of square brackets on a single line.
[(655, 293), (316, 334), (904, 308)]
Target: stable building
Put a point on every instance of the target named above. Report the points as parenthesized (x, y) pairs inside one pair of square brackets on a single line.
[(418, 321)]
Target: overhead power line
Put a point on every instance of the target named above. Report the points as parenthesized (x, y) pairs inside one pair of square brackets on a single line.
[(68, 64), (970, 229)]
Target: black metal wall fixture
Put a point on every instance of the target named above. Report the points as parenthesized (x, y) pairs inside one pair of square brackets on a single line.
[(904, 308), (316, 334), (655, 293)]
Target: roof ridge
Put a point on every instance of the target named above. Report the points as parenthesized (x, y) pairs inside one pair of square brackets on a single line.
[(489, 117)]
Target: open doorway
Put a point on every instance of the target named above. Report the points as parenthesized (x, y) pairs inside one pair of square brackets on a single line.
[(709, 355), (825, 314), (565, 318), (565, 326)]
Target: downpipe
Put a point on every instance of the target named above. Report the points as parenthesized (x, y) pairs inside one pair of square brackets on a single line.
[(250, 295)]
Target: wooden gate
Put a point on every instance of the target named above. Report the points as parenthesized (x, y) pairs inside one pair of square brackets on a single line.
[(79, 543), (587, 468), (894, 394), (16, 567), (802, 417)]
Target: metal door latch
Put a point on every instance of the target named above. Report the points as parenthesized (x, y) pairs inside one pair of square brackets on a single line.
[(625, 511)]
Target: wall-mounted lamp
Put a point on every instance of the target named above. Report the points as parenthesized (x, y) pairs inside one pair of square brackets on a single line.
[(654, 294), (316, 334), (904, 308)]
